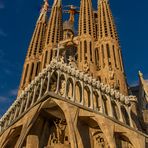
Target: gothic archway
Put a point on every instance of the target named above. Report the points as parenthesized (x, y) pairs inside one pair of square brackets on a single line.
[(91, 134), (122, 141), (50, 128)]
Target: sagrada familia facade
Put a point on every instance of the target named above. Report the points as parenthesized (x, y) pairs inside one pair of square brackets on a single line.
[(73, 91)]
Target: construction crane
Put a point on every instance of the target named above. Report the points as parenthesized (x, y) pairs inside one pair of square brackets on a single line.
[(72, 11)]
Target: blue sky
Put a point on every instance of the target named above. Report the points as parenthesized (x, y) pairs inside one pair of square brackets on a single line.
[(17, 21)]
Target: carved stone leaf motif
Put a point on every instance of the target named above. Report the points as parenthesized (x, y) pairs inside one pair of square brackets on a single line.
[(63, 86), (86, 67)]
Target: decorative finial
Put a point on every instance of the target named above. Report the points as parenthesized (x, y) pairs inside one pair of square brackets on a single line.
[(46, 5), (57, 2), (140, 74)]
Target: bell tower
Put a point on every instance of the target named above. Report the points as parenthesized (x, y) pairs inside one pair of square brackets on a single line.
[(54, 33), (108, 56), (33, 59), (87, 35)]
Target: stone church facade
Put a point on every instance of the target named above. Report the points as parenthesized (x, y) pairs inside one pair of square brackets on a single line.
[(73, 91)]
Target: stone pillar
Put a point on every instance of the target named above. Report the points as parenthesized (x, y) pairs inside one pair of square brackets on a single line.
[(58, 83), (91, 98), (34, 94), (28, 100), (100, 102), (32, 141), (110, 107), (48, 83)]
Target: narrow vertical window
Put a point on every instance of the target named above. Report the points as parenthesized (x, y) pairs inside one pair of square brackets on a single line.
[(114, 56), (85, 50), (120, 60), (25, 76), (30, 77), (37, 69), (108, 50), (80, 51), (108, 55), (103, 57), (90, 51), (97, 57), (51, 54), (45, 60)]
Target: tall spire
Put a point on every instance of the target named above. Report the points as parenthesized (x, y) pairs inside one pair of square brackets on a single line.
[(108, 52), (86, 19), (87, 35), (32, 61), (54, 29), (44, 10), (54, 32)]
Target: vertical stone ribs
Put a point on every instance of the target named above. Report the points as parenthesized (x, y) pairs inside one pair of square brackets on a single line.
[(55, 25), (87, 35), (33, 58), (86, 19), (54, 32), (106, 23), (108, 56)]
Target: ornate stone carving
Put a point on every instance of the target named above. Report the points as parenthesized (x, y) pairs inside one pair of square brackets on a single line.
[(86, 67)]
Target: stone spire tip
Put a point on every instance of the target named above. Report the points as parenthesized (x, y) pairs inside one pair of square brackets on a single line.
[(140, 74)]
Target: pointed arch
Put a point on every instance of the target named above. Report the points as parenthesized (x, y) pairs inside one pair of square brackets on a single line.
[(69, 88), (78, 92), (125, 115), (87, 96)]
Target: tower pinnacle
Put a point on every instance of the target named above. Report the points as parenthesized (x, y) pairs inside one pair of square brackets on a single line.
[(87, 34), (54, 32), (33, 58), (108, 52), (44, 10)]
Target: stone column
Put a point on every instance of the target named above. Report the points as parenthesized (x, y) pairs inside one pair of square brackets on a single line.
[(48, 83), (34, 94), (58, 83), (28, 100), (32, 141), (100, 102), (110, 107), (91, 98)]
